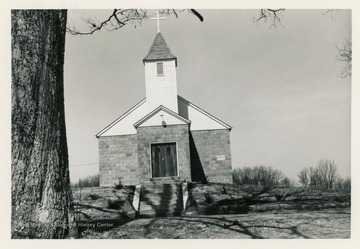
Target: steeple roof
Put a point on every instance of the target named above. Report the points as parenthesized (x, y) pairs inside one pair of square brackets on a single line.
[(159, 50)]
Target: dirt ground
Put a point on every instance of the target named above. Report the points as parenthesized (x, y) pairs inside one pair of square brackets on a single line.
[(325, 224)]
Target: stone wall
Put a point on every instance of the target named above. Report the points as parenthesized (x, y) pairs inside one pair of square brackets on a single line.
[(127, 158), (159, 134), (118, 160), (211, 156)]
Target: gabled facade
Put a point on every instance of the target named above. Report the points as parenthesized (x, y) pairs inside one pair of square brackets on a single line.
[(164, 134)]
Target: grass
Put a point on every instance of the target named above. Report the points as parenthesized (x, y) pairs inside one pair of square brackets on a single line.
[(90, 181)]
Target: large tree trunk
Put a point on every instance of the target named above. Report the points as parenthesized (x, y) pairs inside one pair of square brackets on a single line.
[(41, 195)]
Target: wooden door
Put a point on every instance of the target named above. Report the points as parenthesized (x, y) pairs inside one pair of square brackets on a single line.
[(163, 160)]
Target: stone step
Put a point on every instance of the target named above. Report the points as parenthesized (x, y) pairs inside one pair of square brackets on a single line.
[(160, 190), (160, 194), (161, 207), (177, 201), (160, 213), (161, 198), (156, 197), (161, 180), (166, 178), (162, 185), (168, 190), (168, 184)]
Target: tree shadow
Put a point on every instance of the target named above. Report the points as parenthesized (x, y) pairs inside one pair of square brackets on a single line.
[(148, 229), (243, 229), (101, 225), (292, 229), (295, 231), (98, 225), (82, 213), (239, 227), (81, 206), (165, 207)]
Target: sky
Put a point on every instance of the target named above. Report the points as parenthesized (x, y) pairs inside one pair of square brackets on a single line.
[(279, 88)]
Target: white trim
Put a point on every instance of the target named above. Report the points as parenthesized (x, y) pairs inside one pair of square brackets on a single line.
[(210, 130), (185, 193), (161, 108), (120, 118), (165, 109), (136, 199), (205, 113)]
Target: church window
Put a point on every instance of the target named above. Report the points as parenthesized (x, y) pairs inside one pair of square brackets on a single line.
[(160, 68)]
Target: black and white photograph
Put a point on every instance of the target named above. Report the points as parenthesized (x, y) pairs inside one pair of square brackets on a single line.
[(180, 123)]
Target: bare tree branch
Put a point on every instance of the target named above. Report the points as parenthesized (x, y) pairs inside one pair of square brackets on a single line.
[(345, 55), (175, 13), (118, 19), (197, 14), (327, 171), (304, 177), (121, 17), (269, 14), (332, 13)]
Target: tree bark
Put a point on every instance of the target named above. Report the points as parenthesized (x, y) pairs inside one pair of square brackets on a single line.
[(41, 195)]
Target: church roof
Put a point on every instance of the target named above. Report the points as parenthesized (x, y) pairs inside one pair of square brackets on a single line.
[(159, 50), (157, 110), (127, 123), (185, 107)]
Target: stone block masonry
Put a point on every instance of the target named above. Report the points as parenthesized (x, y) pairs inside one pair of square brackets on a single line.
[(159, 134), (200, 155), (118, 160), (211, 156)]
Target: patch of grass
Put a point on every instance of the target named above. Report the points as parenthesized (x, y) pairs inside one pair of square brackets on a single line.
[(90, 181)]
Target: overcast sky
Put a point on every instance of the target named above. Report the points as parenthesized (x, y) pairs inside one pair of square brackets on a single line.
[(279, 88)]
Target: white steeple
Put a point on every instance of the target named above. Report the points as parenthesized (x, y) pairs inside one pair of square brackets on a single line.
[(160, 76)]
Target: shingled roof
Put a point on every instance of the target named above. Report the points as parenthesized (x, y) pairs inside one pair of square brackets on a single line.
[(159, 50)]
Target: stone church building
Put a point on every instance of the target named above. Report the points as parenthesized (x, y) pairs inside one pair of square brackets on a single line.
[(164, 135)]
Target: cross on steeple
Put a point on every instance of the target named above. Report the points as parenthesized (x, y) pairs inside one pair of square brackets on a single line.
[(158, 18)]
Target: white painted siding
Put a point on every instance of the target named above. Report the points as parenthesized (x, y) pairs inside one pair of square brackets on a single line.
[(157, 120), (199, 119), (161, 90), (125, 125)]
